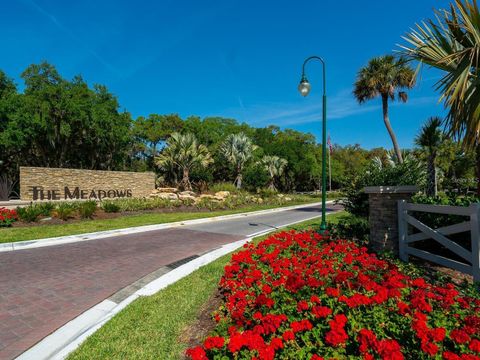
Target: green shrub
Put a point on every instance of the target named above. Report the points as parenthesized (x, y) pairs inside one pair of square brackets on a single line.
[(255, 177), (87, 209), (45, 208), (29, 213), (65, 211), (410, 172), (210, 204), (224, 186), (110, 206), (267, 192), (350, 227)]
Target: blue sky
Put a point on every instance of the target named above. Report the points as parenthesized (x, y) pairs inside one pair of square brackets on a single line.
[(239, 59)]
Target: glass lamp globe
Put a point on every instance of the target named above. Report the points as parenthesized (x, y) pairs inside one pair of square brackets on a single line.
[(304, 87)]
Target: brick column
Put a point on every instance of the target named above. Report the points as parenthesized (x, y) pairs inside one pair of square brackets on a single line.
[(383, 215)]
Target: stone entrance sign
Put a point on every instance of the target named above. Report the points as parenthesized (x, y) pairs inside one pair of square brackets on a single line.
[(76, 184)]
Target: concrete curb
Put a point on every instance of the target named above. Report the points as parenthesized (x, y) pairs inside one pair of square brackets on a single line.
[(32, 244), (70, 336)]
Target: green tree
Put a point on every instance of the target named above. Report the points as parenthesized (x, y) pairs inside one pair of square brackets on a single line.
[(303, 171), (451, 43), (430, 139), (155, 128), (60, 119), (11, 138), (385, 76), (275, 167), (238, 150), (184, 152)]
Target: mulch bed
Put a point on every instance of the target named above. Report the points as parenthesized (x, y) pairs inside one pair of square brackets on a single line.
[(196, 332)]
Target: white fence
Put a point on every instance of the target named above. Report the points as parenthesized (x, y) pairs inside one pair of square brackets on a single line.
[(470, 263)]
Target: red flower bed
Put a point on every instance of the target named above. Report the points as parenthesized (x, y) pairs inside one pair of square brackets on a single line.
[(298, 296), (7, 217)]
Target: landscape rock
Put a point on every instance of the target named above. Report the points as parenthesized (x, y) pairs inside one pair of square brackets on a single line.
[(206, 196), (222, 194), (187, 193), (166, 190), (186, 197), (165, 195)]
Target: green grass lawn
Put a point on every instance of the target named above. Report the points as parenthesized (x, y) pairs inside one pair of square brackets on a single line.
[(151, 327), (87, 226)]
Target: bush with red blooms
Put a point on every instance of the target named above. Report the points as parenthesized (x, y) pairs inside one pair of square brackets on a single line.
[(7, 217), (301, 296)]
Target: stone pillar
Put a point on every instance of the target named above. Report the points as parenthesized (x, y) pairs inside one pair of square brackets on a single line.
[(383, 215)]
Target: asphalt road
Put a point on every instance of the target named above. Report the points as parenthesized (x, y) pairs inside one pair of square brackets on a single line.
[(41, 289), (252, 224)]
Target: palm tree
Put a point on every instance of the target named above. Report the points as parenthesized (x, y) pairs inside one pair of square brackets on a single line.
[(183, 152), (275, 166), (451, 43), (238, 149), (430, 138), (384, 76)]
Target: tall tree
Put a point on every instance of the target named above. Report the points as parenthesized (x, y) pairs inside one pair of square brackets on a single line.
[(430, 139), (451, 43), (237, 149), (184, 152), (383, 77), (157, 128), (275, 166)]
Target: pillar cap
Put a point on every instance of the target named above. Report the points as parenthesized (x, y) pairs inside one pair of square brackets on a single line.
[(404, 189)]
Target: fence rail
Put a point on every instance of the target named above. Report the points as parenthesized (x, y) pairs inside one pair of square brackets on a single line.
[(470, 263)]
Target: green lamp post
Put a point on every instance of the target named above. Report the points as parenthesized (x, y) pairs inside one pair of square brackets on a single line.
[(304, 88)]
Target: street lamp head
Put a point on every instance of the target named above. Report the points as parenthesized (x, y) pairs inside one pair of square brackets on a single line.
[(304, 86)]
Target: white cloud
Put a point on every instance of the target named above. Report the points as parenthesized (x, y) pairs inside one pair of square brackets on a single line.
[(340, 106)]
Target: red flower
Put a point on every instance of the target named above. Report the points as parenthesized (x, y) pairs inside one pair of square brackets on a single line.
[(429, 348), (288, 335), (274, 288), (321, 311), (302, 305), (276, 343), (459, 336), (474, 345), (197, 353), (214, 342), (236, 343), (437, 334), (332, 292), (301, 325), (367, 341), (447, 355), (390, 350), (337, 335)]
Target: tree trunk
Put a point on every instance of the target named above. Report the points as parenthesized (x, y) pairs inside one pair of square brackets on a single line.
[(432, 176), (271, 185), (238, 181), (271, 182), (386, 120), (185, 183)]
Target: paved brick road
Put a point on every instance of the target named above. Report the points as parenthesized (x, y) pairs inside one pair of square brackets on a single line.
[(42, 289)]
